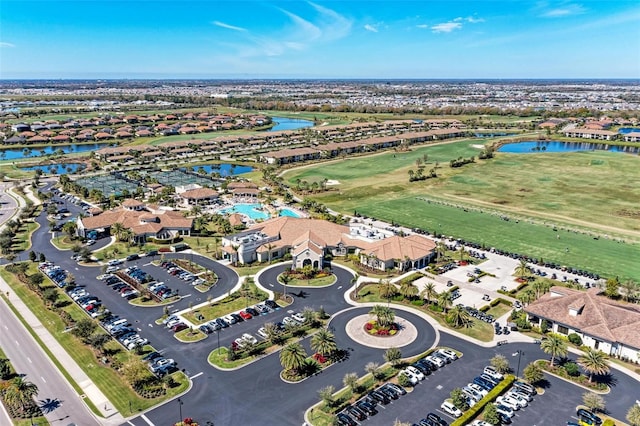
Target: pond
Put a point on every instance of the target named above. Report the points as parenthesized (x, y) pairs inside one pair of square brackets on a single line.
[(224, 169), (20, 153), (529, 147), (283, 123), (56, 169)]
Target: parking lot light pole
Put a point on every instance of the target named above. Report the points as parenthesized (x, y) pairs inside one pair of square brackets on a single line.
[(180, 408), (218, 334), (519, 353)]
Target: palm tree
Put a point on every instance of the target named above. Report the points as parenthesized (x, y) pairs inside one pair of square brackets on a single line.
[(285, 279), (429, 292), (20, 392), (408, 290), (462, 252), (393, 356), (459, 317), (387, 289), (324, 342), (384, 315), (594, 362), (440, 250), (633, 415), (444, 300), (116, 229), (292, 357), (354, 281), (555, 346), (372, 368), (522, 269)]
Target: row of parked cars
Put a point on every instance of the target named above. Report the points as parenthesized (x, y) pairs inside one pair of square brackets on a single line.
[(55, 272), (121, 330), (420, 369), (159, 364), (477, 313), (116, 284), (367, 406), (178, 272), (223, 322)]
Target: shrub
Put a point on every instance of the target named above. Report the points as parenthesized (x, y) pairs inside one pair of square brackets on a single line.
[(418, 302), (608, 422), (575, 339), (572, 369)]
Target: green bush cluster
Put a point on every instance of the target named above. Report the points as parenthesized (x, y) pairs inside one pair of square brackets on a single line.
[(472, 412)]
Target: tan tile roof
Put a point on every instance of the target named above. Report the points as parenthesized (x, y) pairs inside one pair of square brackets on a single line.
[(600, 317), (291, 228), (199, 194), (132, 220), (395, 247), (235, 219)]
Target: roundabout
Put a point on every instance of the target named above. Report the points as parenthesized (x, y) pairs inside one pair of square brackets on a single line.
[(407, 333)]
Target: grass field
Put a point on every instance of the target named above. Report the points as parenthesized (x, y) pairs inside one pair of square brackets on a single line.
[(572, 192)]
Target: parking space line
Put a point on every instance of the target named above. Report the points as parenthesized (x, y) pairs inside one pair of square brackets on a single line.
[(143, 417), (196, 375)]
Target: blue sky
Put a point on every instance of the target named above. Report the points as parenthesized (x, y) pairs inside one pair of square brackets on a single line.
[(323, 39)]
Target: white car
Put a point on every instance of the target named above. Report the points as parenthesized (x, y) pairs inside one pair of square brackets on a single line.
[(162, 363), (450, 409), (415, 372), (138, 342), (249, 338), (173, 322), (299, 317), (448, 353), (289, 321), (522, 402), (262, 332), (480, 423), (478, 389), (240, 342), (111, 269), (504, 410), (471, 393), (524, 395), (509, 402), (490, 371), (90, 242), (435, 360), (413, 379)]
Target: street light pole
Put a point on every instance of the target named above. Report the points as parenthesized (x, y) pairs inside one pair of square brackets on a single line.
[(218, 334), (520, 353), (180, 408)]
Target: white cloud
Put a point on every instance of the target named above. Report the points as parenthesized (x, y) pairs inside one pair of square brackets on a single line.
[(474, 20), (422, 26), (371, 28), (560, 9), (446, 27), (5, 44), (227, 26)]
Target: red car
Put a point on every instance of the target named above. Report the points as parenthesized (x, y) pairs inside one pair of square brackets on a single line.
[(179, 327), (245, 315)]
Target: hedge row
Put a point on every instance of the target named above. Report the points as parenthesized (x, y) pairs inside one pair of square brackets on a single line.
[(472, 412)]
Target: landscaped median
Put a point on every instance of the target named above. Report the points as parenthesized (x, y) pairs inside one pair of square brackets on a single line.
[(473, 412), (110, 367)]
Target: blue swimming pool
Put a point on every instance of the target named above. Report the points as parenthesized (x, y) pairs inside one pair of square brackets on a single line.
[(254, 211), (288, 212)]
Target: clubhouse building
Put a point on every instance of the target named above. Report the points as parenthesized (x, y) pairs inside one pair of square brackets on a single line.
[(144, 221), (309, 241), (602, 323)]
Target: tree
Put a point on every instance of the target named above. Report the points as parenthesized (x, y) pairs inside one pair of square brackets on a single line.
[(522, 270), (458, 317), (441, 249), (136, 371), (444, 300), (292, 357), (354, 281), (116, 230), (372, 368), (50, 295), (98, 341), (323, 342), (633, 415), (20, 392), (593, 401), (5, 369), (408, 290), (555, 346), (459, 399), (84, 328), (429, 292), (500, 363), (611, 288), (33, 256), (351, 381), (393, 356), (384, 315), (326, 395), (593, 362), (532, 373), (491, 415), (629, 289), (387, 289), (69, 228)]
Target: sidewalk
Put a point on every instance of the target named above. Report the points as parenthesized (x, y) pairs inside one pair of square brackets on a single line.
[(91, 391)]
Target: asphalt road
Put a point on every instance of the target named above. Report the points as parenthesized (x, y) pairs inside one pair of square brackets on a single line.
[(57, 399)]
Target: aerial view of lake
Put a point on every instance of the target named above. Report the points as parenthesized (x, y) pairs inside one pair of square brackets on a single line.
[(224, 169), (283, 123), (532, 147), (56, 169)]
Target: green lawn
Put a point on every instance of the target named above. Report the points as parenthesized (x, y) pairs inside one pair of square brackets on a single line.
[(539, 191), (111, 383), (314, 282)]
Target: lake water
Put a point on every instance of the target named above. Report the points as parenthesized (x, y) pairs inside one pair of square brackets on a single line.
[(56, 169), (283, 123), (19, 153), (224, 169), (532, 147)]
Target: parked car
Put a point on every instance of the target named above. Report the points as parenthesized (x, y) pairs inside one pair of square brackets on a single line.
[(249, 338), (380, 398), (299, 317), (435, 360), (492, 372), (509, 402), (345, 420), (355, 413), (450, 409), (448, 353), (245, 315), (367, 407), (179, 327), (397, 388), (413, 379), (504, 410), (588, 417)]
